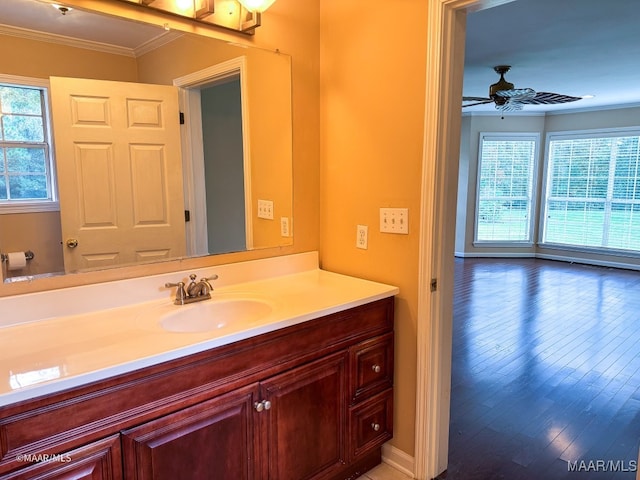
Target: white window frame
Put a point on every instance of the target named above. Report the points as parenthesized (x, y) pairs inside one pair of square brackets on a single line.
[(32, 206), (509, 136), (575, 135)]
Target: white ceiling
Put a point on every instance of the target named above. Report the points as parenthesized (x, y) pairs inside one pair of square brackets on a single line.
[(571, 47), (94, 29)]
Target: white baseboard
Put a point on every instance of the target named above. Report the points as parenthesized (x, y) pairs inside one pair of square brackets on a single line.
[(590, 261), (494, 255), (398, 459)]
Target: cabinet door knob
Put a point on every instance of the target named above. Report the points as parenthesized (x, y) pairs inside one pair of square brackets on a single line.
[(263, 405), (375, 426), (376, 368)]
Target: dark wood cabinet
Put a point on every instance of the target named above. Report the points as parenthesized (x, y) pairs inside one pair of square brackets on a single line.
[(306, 424), (309, 402), (213, 436), (100, 460)]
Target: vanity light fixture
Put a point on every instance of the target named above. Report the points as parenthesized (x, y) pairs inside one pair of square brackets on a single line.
[(239, 15)]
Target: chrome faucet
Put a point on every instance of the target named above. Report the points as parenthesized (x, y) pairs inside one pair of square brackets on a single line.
[(195, 291)]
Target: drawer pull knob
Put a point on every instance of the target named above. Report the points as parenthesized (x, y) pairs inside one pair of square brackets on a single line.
[(376, 368), (263, 405), (375, 426)]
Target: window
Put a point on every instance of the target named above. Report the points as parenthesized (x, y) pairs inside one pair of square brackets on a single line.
[(593, 191), (505, 186), (26, 170)]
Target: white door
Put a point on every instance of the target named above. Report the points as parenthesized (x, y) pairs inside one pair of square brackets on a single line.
[(119, 171)]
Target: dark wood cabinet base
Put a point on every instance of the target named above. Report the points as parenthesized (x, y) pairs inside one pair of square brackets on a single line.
[(313, 401)]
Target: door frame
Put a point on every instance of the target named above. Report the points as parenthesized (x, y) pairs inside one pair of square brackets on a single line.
[(189, 87), (446, 24)]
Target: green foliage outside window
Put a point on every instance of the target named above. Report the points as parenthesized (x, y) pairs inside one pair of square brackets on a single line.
[(24, 159)]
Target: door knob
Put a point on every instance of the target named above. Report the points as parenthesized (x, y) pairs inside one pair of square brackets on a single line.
[(72, 243)]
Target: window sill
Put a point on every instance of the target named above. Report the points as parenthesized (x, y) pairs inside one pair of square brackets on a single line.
[(29, 207)]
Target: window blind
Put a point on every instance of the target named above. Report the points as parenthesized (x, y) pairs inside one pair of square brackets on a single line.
[(593, 192), (505, 184)]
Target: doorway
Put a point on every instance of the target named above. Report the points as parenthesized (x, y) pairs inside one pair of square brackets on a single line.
[(214, 140), (444, 73)]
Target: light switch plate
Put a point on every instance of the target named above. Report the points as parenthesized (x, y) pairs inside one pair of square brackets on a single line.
[(265, 209), (394, 220)]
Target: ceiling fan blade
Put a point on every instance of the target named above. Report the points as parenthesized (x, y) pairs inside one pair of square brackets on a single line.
[(484, 102), (476, 99), (547, 98), (519, 93)]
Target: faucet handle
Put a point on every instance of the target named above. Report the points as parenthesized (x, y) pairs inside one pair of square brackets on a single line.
[(206, 282), (181, 294)]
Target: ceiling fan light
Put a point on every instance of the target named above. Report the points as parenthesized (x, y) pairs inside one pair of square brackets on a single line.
[(257, 5)]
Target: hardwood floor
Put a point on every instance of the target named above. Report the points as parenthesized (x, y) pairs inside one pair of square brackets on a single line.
[(546, 371)]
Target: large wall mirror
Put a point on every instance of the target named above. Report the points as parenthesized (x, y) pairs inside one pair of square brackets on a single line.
[(156, 189)]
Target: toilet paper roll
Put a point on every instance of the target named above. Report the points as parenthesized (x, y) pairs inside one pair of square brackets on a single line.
[(16, 260)]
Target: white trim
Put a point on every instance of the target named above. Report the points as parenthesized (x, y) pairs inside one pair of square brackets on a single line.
[(588, 261), (41, 205), (443, 85), (64, 40), (29, 207), (547, 256), (494, 255), (193, 149), (396, 458)]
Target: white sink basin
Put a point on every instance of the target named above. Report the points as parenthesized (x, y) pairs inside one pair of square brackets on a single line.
[(216, 314)]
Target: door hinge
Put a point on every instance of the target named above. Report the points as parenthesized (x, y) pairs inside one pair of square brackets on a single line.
[(187, 216), (181, 118), (434, 284)]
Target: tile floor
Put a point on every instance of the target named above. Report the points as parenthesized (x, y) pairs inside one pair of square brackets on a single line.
[(384, 472)]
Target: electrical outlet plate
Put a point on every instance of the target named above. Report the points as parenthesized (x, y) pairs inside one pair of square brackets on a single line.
[(265, 209), (394, 220), (284, 227), (362, 240)]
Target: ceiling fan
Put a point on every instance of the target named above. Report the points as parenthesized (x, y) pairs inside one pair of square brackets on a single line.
[(509, 99)]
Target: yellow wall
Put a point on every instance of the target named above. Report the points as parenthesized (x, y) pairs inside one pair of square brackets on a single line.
[(38, 232), (372, 111)]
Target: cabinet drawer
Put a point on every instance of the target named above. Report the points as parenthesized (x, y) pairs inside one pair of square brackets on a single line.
[(372, 367), (371, 423)]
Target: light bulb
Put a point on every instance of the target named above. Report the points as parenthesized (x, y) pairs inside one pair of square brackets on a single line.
[(256, 5)]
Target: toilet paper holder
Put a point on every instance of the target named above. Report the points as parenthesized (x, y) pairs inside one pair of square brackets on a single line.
[(28, 255)]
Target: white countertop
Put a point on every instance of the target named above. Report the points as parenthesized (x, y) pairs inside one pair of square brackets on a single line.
[(51, 355)]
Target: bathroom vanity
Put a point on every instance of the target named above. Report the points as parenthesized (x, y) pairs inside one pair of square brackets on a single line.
[(302, 391)]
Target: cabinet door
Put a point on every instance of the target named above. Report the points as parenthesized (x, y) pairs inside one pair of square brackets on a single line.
[(210, 440), (305, 427), (100, 460)]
